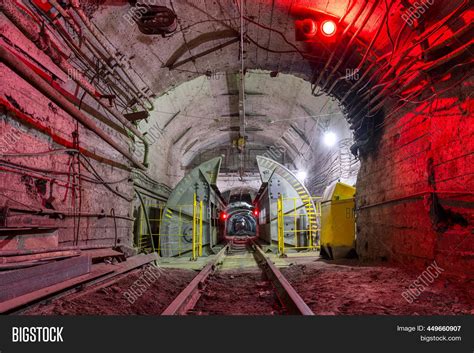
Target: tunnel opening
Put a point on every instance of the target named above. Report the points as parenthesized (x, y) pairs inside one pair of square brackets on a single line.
[(241, 223), (308, 135)]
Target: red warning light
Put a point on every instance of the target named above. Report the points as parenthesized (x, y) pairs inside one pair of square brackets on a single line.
[(223, 215), (328, 28), (255, 212), (313, 26)]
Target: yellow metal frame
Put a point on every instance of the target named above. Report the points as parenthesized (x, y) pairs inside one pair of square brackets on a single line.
[(183, 219), (311, 231), (198, 210), (281, 226), (142, 242)]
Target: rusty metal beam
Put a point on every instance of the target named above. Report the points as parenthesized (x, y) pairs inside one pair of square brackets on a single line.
[(137, 116), (100, 273)]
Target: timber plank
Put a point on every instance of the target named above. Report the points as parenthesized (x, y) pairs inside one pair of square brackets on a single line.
[(32, 297), (40, 256), (19, 282)]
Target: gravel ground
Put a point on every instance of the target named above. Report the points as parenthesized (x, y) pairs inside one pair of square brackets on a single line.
[(238, 292), (349, 288), (329, 288)]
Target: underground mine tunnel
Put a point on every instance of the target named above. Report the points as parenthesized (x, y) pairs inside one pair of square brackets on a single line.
[(322, 150)]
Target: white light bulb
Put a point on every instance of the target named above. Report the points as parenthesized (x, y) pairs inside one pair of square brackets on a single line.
[(330, 138), (329, 28)]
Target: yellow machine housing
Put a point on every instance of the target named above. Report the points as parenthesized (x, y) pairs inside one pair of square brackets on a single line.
[(338, 220)]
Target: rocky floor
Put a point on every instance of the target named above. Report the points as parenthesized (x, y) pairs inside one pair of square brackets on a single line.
[(238, 292), (329, 288), (349, 288), (147, 291)]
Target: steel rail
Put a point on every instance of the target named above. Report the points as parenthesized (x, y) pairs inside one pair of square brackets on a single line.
[(287, 295), (189, 296)]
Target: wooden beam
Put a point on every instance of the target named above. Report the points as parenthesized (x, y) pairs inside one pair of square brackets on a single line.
[(19, 282), (120, 271), (32, 297), (41, 256), (99, 274)]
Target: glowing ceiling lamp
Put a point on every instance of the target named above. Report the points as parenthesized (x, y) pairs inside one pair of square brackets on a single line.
[(330, 138), (301, 175), (328, 28)]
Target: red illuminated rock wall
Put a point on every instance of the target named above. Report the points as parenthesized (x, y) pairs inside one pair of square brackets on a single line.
[(414, 193), (37, 184)]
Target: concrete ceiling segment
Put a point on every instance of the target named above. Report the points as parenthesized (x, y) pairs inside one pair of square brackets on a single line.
[(270, 46), (205, 105), (210, 19), (250, 182)]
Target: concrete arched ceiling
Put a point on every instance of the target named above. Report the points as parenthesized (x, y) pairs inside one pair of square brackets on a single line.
[(372, 30), (202, 114), (207, 24), (377, 43)]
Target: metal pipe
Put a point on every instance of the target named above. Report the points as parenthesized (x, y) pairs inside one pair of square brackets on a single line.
[(33, 78), (87, 42), (66, 17), (39, 38), (44, 212), (72, 98), (108, 48), (43, 43), (32, 123)]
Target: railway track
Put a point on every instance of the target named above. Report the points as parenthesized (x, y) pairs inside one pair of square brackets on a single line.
[(259, 291)]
